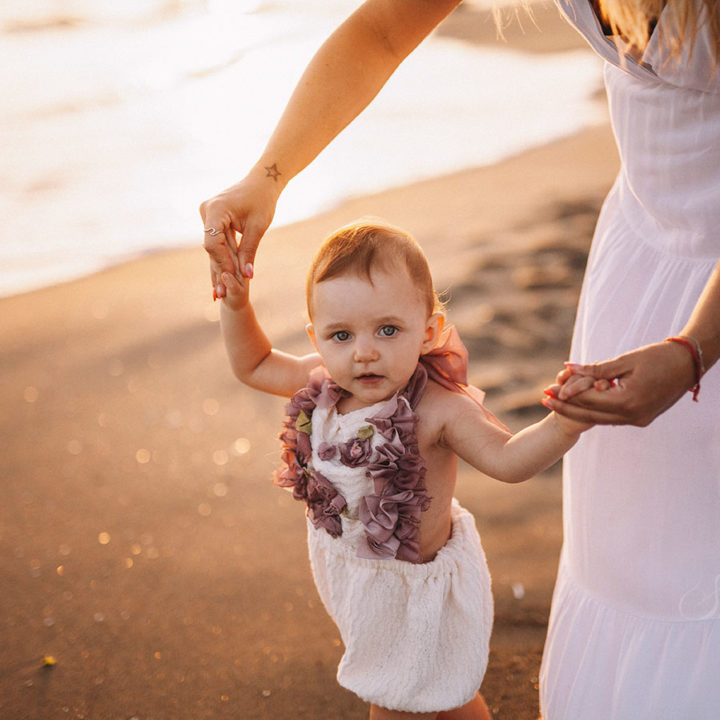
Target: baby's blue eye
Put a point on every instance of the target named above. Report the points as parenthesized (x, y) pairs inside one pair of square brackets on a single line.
[(388, 330), (341, 335)]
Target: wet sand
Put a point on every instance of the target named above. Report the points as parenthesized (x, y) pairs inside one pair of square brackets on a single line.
[(150, 568)]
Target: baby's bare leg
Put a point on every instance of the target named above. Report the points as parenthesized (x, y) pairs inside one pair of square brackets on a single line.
[(476, 709)]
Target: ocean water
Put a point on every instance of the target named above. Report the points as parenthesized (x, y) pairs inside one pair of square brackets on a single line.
[(117, 119)]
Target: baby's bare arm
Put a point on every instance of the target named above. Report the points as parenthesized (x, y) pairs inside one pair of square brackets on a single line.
[(252, 357), (497, 452)]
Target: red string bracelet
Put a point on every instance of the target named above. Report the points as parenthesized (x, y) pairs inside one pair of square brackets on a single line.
[(694, 348)]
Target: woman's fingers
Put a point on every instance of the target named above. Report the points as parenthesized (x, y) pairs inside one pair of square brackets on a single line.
[(597, 414), (249, 242), (219, 243), (609, 369), (647, 381), (246, 209)]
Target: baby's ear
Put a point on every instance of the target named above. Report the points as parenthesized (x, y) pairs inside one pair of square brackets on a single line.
[(433, 331), (310, 330)]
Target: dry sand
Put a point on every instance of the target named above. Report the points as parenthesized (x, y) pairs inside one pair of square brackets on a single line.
[(143, 546)]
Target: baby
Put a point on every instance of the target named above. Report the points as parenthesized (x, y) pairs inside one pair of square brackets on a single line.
[(378, 417)]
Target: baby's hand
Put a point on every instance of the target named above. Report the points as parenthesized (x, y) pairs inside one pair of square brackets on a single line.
[(237, 293), (570, 383)]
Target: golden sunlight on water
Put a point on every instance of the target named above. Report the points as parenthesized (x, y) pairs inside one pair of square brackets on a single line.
[(125, 115)]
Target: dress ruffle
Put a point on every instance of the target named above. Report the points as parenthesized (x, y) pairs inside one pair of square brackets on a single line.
[(324, 503), (390, 515)]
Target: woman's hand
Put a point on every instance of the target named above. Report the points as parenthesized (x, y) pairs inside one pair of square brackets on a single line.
[(246, 208), (647, 381)]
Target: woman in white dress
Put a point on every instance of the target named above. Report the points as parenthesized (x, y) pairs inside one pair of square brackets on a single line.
[(635, 624)]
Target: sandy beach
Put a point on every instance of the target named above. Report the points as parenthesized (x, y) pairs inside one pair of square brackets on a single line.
[(150, 568)]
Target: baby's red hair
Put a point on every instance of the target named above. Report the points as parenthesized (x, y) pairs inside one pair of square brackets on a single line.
[(366, 245)]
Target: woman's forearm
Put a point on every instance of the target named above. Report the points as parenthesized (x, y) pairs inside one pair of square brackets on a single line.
[(345, 74), (704, 323)]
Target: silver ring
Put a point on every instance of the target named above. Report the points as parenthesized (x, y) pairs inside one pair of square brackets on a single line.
[(212, 231)]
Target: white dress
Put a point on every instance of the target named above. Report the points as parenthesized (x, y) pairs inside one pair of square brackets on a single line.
[(635, 623)]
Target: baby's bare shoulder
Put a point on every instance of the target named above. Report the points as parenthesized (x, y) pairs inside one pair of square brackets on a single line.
[(441, 399), (439, 406)]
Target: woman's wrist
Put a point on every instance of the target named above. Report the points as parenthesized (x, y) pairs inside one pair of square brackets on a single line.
[(707, 344), (704, 325), (692, 346), (271, 173)]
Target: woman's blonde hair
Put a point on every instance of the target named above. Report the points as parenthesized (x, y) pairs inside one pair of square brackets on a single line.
[(682, 20), (634, 20), (365, 245)]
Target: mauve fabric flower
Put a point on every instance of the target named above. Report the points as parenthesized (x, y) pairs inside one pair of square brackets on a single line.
[(326, 451), (379, 516), (396, 417), (372, 550), (409, 550), (292, 477), (302, 401), (329, 394), (296, 444), (325, 504), (304, 448), (356, 452), (416, 386)]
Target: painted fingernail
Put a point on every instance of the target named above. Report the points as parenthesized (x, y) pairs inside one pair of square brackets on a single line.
[(547, 403), (249, 270), (215, 297), (612, 383), (549, 392), (575, 367)]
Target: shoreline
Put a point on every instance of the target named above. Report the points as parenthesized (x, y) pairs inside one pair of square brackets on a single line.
[(543, 32)]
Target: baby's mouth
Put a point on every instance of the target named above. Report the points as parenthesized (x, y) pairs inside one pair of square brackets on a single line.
[(369, 378)]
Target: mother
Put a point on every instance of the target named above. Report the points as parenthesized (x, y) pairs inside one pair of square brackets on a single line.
[(635, 621)]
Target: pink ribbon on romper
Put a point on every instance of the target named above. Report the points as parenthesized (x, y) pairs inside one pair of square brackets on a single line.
[(447, 365)]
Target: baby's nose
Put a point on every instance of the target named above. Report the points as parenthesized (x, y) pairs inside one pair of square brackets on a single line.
[(365, 351)]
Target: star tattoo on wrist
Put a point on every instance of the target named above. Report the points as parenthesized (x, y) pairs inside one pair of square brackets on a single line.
[(272, 171)]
